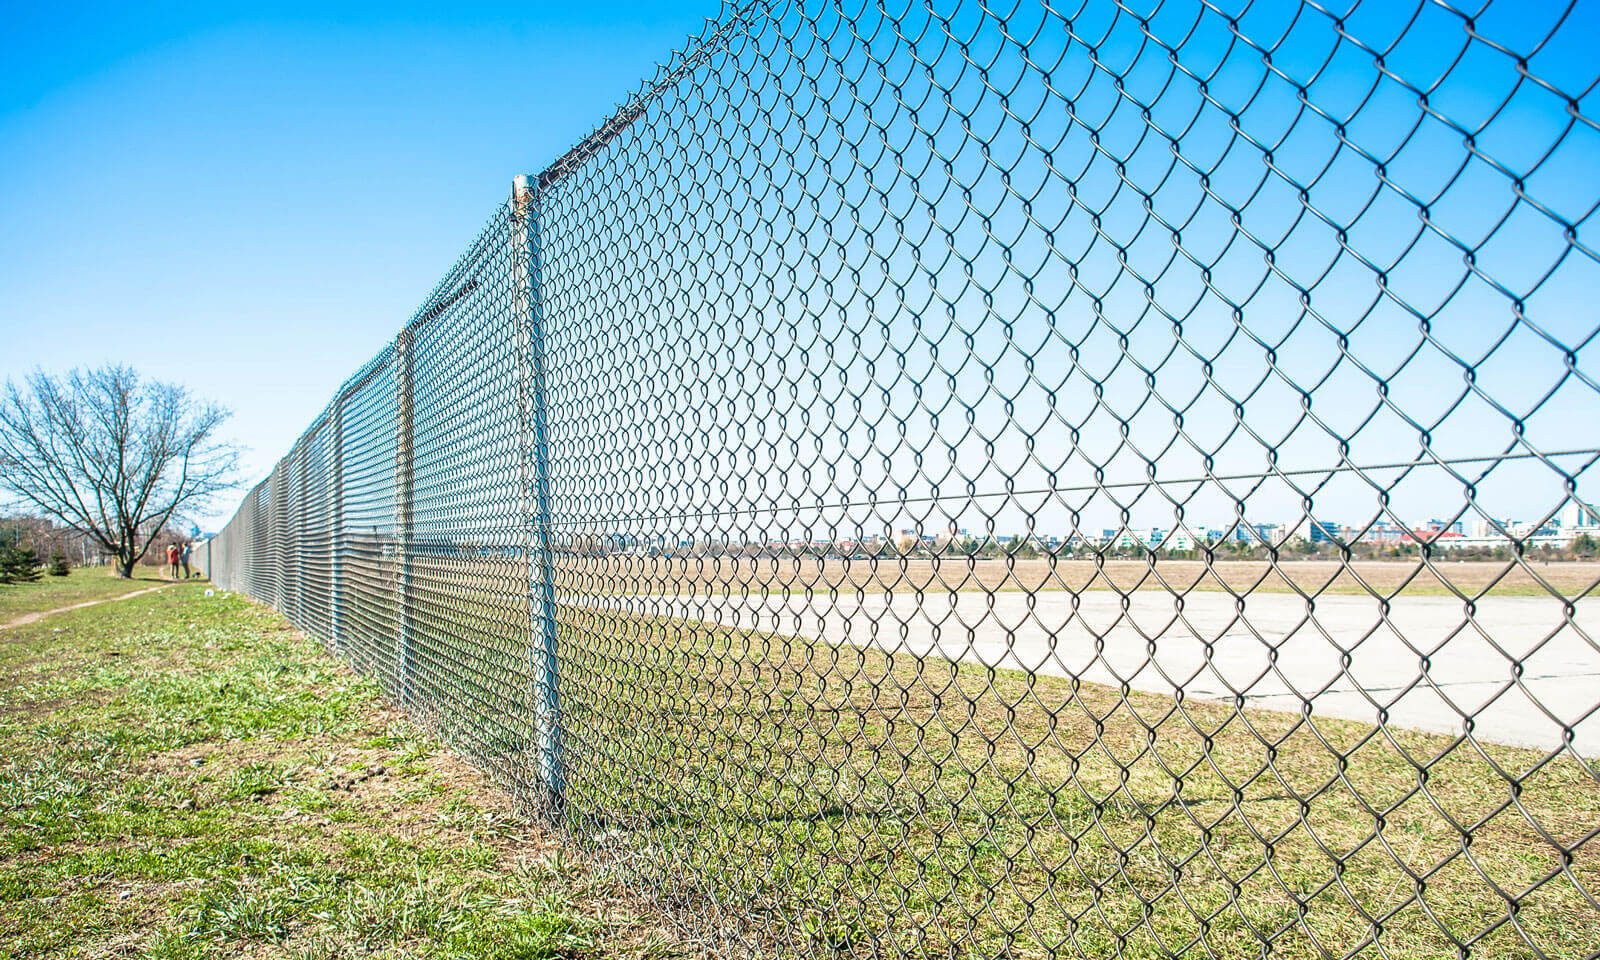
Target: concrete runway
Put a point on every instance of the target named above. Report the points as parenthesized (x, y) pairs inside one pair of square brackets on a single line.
[(1427, 663)]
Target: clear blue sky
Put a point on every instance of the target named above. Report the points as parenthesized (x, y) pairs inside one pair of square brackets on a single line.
[(251, 198), (253, 205)]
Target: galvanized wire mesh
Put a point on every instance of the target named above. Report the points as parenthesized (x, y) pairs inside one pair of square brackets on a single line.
[(943, 480)]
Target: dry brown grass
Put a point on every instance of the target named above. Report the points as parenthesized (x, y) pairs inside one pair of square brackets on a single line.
[(628, 574)]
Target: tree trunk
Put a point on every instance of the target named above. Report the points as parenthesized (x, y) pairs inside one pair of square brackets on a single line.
[(125, 569)]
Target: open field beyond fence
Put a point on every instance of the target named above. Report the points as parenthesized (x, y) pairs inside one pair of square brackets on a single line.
[(1520, 663), (1439, 577)]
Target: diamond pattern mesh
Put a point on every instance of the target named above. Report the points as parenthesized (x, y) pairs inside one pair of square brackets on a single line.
[(1011, 480)]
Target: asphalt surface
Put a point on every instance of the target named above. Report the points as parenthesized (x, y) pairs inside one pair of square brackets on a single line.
[(1520, 667)]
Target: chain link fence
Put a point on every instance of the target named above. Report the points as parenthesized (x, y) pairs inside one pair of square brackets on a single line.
[(950, 480)]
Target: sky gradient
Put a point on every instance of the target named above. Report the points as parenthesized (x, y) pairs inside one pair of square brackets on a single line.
[(253, 206), (252, 200)]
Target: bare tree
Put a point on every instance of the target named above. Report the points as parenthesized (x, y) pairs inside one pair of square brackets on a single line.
[(112, 455)]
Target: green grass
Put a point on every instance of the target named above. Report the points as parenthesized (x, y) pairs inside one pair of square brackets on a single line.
[(184, 777), (823, 800), (82, 584), (837, 800)]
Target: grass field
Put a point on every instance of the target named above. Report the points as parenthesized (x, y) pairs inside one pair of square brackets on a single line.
[(990, 813), (186, 777), (839, 801), (845, 801), (1382, 578), (183, 776), (81, 585)]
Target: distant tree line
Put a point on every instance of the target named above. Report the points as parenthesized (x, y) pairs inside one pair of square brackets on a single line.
[(1582, 547), (30, 547)]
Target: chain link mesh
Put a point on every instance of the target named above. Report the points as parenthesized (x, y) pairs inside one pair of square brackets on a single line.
[(948, 480)]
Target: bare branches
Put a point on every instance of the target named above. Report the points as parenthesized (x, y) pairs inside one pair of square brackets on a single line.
[(112, 455)]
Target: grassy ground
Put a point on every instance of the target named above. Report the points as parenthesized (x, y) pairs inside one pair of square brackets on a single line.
[(182, 776), (82, 584), (940, 809), (841, 801)]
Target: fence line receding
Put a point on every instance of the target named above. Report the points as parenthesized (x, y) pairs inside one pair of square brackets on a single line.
[(950, 480)]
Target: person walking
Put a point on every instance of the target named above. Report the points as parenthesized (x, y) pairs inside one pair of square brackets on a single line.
[(183, 557), (172, 559)]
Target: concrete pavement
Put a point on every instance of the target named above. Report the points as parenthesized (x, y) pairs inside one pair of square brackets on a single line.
[(1424, 660)]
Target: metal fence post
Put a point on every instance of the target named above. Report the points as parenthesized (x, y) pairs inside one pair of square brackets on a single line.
[(403, 510), (298, 567), (336, 534), (544, 669)]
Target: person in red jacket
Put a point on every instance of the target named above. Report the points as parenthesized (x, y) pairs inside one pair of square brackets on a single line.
[(172, 559)]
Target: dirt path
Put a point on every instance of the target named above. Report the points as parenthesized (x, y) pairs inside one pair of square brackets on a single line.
[(28, 618)]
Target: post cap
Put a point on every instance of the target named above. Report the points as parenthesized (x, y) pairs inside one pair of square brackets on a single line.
[(522, 186)]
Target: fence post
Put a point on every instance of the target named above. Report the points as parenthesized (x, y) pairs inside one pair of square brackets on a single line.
[(276, 536), (298, 571), (336, 535), (544, 669), (403, 509)]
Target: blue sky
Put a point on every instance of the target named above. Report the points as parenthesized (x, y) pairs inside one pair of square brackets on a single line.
[(253, 205), (251, 198)]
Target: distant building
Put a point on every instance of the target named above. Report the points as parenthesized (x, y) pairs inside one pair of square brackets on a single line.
[(1383, 532), (1576, 515), (1440, 527), (1323, 532), (1483, 529), (1181, 539), (1125, 539), (1259, 533)]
